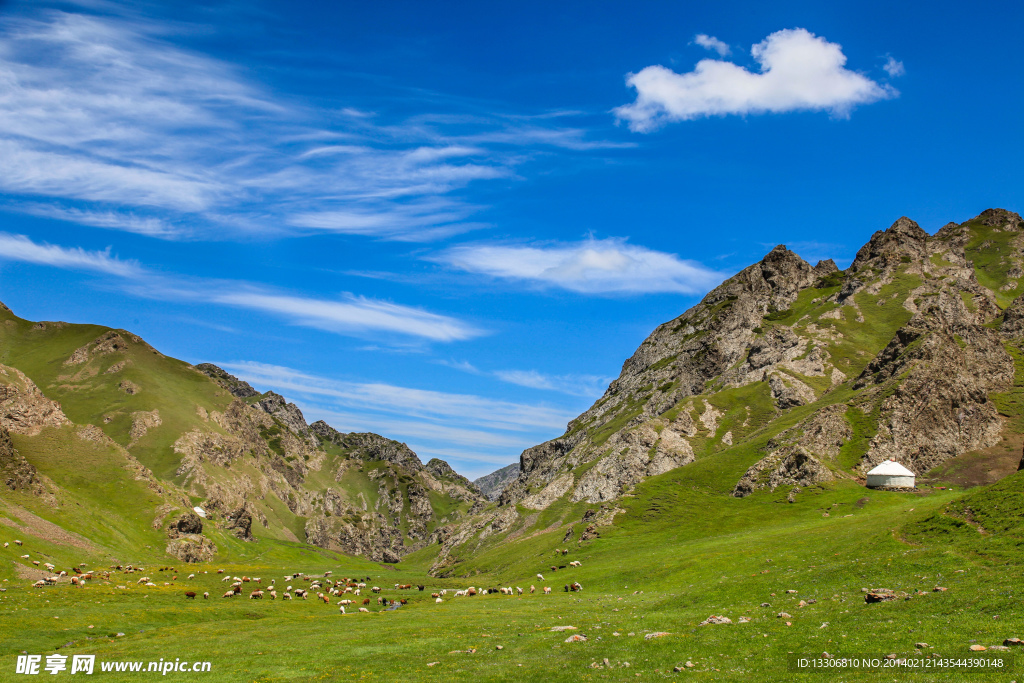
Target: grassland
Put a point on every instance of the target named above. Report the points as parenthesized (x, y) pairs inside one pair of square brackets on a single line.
[(680, 552)]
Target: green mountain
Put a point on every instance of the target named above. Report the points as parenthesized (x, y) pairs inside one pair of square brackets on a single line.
[(790, 377), (116, 443)]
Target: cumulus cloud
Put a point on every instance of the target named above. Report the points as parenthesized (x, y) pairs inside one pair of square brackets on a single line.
[(21, 248), (894, 67), (711, 43), (593, 266), (798, 71)]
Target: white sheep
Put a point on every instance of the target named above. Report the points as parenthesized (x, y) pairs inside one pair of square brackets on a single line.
[(439, 601), (540, 577)]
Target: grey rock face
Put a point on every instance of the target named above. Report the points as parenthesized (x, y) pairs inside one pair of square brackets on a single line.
[(188, 523), (16, 473), (287, 413), (491, 485), (237, 387)]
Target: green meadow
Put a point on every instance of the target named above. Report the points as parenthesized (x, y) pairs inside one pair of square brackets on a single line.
[(679, 553)]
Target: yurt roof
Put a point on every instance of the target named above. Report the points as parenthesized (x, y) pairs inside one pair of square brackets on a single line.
[(891, 468)]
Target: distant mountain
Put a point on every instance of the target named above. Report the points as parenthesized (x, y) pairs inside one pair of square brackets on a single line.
[(792, 375), (105, 436), (491, 485)]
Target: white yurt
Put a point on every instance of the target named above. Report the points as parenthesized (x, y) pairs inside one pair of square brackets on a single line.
[(890, 474)]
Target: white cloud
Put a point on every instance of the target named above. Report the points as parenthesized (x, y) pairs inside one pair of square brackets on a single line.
[(460, 409), (21, 248), (591, 267), (798, 71), (894, 67), (590, 386), (127, 221), (354, 315), (711, 43), (107, 116)]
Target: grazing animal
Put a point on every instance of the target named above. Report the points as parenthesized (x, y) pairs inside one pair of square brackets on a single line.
[(363, 609), (519, 590), (286, 596), (206, 596), (439, 601), (566, 588), (576, 586), (420, 588), (540, 577), (220, 571), (435, 595), (256, 595), (229, 594), (547, 590), (404, 601), (190, 594), (342, 609), (532, 588), (191, 576), (554, 568), (366, 602)]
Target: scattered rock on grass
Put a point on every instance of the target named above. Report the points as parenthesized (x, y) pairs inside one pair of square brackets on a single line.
[(576, 638), (1013, 641), (978, 648), (660, 634), (713, 619)]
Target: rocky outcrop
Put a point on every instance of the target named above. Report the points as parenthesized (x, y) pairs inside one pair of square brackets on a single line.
[(240, 523), (286, 413), (791, 466), (191, 548), (23, 407), (235, 386), (16, 473), (188, 523)]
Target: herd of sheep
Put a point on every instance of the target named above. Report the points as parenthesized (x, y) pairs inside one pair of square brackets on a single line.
[(324, 588)]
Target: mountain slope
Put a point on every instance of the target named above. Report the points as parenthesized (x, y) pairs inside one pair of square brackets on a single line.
[(792, 375), (200, 437)]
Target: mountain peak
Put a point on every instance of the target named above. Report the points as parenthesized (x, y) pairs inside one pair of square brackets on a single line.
[(885, 249), (999, 217)]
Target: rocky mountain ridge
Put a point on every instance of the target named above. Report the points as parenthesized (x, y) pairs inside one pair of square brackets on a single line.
[(912, 353), (200, 435)]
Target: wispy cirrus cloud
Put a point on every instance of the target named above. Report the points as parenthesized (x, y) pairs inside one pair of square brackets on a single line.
[(114, 125), (609, 266), (352, 315), (349, 315), (466, 429), (589, 386), (798, 71), (21, 248)]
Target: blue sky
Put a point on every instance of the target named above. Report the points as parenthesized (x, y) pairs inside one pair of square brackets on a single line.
[(451, 224)]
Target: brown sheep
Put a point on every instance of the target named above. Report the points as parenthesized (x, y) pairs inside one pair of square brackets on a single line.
[(190, 594)]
